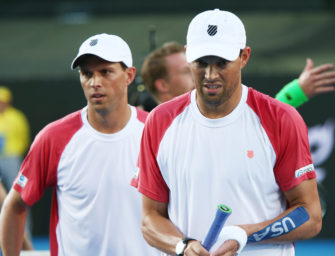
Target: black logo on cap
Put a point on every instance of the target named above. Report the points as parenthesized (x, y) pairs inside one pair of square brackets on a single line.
[(93, 42), (212, 30)]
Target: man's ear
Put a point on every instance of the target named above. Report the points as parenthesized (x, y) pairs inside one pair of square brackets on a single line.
[(245, 55), (131, 73), (161, 86)]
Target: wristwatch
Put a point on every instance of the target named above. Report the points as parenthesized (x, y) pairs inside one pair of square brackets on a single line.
[(181, 245)]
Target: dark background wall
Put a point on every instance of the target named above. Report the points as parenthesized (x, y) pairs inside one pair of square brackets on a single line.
[(39, 40), (59, 7)]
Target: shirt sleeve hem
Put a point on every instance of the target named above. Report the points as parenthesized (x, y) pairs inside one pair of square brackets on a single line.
[(20, 191), (296, 182), (153, 196)]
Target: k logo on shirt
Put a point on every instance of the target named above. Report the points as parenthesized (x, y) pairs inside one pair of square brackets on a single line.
[(250, 153)]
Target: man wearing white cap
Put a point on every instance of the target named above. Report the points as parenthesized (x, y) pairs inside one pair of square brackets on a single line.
[(226, 143), (89, 158)]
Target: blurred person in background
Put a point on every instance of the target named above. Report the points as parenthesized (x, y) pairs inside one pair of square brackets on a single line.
[(166, 74), (14, 142), (312, 81), (14, 137)]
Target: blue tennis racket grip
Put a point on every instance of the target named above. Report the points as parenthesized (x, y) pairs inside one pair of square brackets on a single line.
[(221, 216)]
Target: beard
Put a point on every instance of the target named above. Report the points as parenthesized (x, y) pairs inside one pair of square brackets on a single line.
[(218, 98)]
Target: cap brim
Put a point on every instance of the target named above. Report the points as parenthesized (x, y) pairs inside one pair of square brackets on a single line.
[(200, 50), (75, 61)]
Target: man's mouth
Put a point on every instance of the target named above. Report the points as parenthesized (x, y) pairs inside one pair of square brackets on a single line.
[(97, 96), (212, 88)]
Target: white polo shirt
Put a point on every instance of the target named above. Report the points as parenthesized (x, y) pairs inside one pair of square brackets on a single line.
[(244, 160), (95, 211)]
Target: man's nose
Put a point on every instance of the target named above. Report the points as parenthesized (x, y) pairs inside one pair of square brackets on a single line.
[(95, 80), (211, 72)]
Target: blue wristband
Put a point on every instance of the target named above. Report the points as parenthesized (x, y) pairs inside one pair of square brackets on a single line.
[(282, 226)]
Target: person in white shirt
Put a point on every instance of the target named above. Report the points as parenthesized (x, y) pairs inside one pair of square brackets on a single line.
[(89, 158), (226, 143)]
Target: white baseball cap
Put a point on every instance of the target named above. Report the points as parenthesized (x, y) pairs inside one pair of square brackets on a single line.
[(108, 47), (215, 32)]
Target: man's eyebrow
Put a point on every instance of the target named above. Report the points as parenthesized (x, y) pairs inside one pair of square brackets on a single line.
[(83, 69)]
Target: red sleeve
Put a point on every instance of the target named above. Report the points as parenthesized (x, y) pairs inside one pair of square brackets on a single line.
[(288, 134), (150, 181), (294, 161), (39, 168), (37, 171)]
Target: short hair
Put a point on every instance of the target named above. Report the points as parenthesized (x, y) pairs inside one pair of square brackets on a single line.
[(154, 66)]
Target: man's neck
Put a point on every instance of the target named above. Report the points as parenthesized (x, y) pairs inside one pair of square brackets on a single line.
[(221, 110), (109, 122)]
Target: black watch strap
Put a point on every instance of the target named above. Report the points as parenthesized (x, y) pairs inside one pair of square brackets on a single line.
[(185, 241)]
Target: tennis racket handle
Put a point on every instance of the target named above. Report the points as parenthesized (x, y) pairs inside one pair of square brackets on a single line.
[(221, 216)]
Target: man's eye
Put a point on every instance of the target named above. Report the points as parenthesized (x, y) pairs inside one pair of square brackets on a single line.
[(222, 64), (201, 64), (106, 72), (86, 73)]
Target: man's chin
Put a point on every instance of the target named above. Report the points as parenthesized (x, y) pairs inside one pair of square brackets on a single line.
[(100, 109)]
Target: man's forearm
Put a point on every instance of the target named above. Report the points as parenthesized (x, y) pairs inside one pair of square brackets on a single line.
[(294, 224), (159, 232), (12, 223), (11, 239)]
